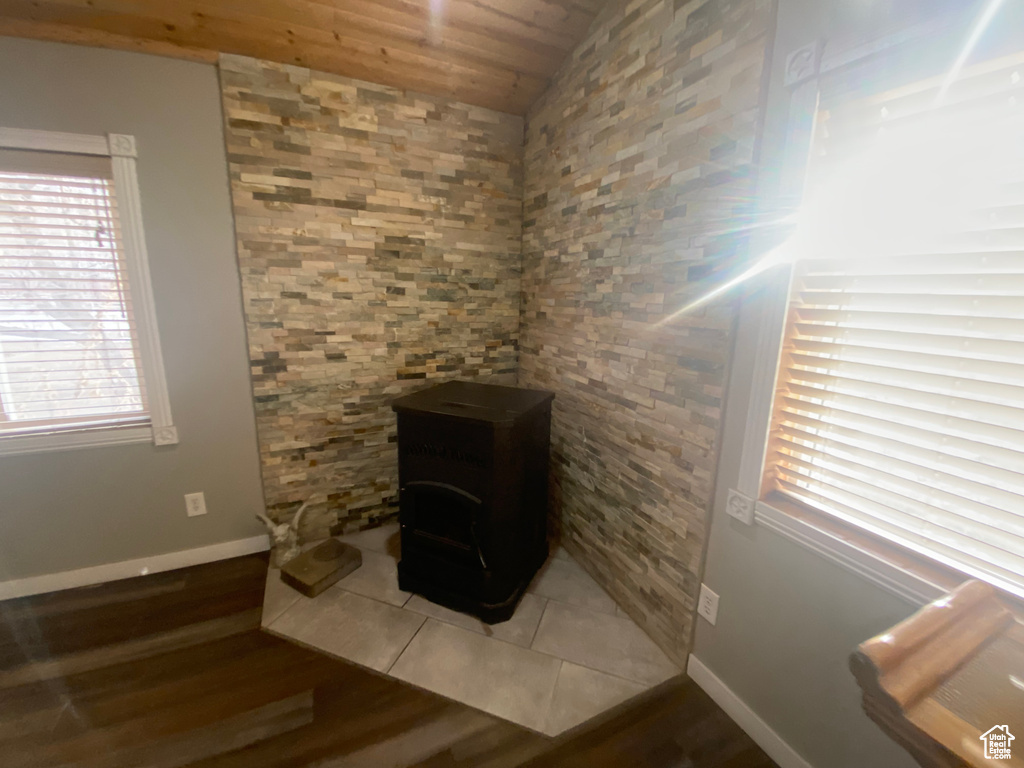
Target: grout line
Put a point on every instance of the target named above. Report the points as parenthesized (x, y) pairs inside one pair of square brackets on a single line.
[(279, 615), (579, 607), (537, 628), (551, 702), (647, 686), (405, 647)]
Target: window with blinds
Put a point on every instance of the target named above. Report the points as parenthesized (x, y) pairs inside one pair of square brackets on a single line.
[(69, 356), (900, 401)]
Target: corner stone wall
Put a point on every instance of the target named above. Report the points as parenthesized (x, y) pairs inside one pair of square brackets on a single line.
[(379, 237), (638, 180)]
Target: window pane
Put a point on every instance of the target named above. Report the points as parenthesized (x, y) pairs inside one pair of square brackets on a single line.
[(900, 406), (68, 353)]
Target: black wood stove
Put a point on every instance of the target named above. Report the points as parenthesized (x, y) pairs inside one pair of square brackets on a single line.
[(473, 474)]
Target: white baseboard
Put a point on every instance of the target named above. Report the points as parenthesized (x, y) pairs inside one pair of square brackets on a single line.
[(762, 734), (98, 574)]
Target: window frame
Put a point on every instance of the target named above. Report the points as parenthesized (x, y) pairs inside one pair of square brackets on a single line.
[(908, 575), (121, 149)]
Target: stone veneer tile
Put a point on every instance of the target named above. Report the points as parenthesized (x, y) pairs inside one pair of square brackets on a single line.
[(638, 186), (379, 243)]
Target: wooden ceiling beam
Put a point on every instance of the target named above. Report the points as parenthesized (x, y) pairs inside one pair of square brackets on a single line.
[(66, 33), (417, 15), (539, 15), (397, 64), (540, 60), (494, 53)]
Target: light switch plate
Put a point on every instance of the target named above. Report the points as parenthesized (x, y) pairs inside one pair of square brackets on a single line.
[(740, 506), (707, 604)]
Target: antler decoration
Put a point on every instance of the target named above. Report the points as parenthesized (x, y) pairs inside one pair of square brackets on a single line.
[(284, 537), (297, 519)]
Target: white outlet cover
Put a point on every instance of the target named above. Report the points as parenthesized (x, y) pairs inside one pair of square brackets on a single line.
[(195, 504), (740, 506), (707, 604)]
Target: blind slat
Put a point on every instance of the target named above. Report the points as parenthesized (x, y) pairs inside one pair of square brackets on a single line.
[(973, 459), (957, 285), (953, 325), (896, 339), (995, 306), (929, 362), (984, 415), (99, 407), (1009, 262), (885, 522), (932, 488), (853, 375), (911, 515), (966, 429), (41, 209)]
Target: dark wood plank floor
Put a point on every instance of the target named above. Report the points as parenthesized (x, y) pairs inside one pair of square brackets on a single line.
[(171, 670)]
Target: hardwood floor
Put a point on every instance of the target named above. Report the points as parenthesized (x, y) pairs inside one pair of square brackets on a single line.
[(171, 670)]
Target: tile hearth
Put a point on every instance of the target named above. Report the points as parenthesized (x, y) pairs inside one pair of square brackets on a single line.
[(568, 654)]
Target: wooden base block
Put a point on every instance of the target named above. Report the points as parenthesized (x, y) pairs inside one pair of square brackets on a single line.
[(314, 571)]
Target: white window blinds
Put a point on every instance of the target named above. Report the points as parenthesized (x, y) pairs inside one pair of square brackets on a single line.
[(900, 401), (69, 356)]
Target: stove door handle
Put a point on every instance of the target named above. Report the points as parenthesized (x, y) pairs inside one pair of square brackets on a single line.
[(444, 486)]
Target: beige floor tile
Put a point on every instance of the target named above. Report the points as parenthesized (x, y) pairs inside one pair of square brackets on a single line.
[(603, 642), (377, 577), (384, 539), (278, 597), (582, 693), (565, 580), (499, 678), (351, 627), (519, 630)]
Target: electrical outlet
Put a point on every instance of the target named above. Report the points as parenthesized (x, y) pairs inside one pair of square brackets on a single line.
[(740, 506), (707, 604), (195, 504)]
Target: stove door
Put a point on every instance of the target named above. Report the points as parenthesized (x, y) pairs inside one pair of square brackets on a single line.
[(441, 519)]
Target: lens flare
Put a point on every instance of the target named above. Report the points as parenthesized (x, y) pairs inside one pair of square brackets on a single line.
[(984, 21)]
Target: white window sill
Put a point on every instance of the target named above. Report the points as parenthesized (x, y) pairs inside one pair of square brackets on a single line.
[(901, 582), (73, 440)]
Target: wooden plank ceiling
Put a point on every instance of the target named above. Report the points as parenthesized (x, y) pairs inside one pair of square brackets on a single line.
[(493, 53)]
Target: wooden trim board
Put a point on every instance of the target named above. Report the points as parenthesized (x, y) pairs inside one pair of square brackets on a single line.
[(98, 574)]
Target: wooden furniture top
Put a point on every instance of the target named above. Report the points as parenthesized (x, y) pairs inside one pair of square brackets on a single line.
[(942, 680), (493, 53)]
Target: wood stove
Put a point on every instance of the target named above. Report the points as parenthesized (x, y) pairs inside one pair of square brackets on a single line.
[(473, 473)]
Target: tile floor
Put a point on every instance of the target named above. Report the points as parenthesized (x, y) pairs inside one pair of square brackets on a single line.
[(567, 655)]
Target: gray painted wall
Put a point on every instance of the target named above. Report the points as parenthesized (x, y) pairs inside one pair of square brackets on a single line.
[(61, 511), (788, 619)]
